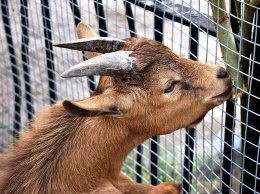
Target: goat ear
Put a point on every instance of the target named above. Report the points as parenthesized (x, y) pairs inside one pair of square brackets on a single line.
[(100, 105)]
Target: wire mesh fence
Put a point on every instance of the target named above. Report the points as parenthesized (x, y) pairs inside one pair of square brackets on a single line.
[(221, 155)]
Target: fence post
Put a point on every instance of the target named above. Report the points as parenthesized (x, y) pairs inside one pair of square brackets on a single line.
[(15, 69), (49, 50), (190, 133), (25, 58), (131, 25), (251, 158), (101, 18), (130, 18), (77, 18), (158, 35), (228, 146)]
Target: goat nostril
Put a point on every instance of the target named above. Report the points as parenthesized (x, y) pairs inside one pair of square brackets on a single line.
[(222, 74)]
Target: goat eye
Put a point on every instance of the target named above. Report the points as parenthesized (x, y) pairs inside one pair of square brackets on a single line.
[(171, 86)]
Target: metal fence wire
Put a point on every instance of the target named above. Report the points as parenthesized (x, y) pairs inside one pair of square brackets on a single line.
[(220, 155)]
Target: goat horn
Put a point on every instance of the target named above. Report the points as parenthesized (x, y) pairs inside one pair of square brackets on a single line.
[(94, 44), (111, 64)]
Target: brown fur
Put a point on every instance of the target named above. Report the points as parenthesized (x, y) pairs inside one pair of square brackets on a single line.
[(79, 146)]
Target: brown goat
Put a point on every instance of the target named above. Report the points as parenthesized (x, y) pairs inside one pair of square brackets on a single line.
[(79, 146)]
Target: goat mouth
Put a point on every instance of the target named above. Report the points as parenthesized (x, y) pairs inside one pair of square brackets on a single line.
[(225, 94)]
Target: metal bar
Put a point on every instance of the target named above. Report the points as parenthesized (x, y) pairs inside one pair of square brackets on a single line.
[(25, 58), (228, 145), (158, 35), (15, 69), (188, 158), (158, 25), (101, 18), (130, 18), (229, 123), (154, 160), (131, 25), (251, 157), (49, 50), (75, 11), (190, 133), (171, 11), (139, 160), (77, 18), (194, 42), (234, 23)]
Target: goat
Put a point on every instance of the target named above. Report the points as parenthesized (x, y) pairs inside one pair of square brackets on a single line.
[(144, 90)]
